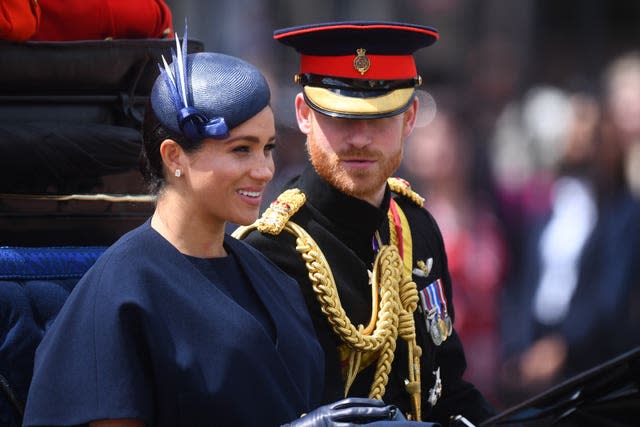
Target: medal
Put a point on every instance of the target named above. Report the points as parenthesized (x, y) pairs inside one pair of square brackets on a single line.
[(430, 312), (434, 330), (449, 324), (442, 327), (436, 314), (436, 391)]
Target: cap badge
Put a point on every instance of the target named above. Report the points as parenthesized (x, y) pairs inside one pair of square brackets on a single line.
[(361, 63)]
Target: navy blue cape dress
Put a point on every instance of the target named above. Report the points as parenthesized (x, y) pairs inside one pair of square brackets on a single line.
[(145, 335)]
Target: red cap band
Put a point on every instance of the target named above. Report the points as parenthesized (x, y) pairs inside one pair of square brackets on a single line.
[(381, 67)]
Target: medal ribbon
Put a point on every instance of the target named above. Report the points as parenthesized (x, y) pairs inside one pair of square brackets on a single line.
[(431, 298), (442, 297), (434, 301), (427, 302), (434, 296)]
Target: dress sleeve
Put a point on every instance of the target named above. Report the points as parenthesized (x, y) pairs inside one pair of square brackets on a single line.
[(93, 362)]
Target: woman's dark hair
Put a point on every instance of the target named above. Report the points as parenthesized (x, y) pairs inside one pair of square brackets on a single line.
[(153, 133)]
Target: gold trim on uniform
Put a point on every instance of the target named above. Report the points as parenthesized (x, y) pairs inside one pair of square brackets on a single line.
[(274, 219), (403, 188)]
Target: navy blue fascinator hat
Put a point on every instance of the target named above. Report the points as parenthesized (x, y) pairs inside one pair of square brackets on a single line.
[(205, 95)]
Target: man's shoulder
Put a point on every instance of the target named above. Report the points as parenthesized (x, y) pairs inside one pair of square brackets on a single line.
[(277, 215), (269, 241), (410, 201), (414, 206), (402, 189), (279, 248)]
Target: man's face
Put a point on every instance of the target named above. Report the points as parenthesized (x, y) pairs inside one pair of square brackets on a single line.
[(355, 155)]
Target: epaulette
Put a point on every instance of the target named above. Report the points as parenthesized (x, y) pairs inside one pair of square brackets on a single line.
[(403, 188), (275, 218)]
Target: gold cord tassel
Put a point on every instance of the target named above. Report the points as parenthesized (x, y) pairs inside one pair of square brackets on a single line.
[(407, 331), (392, 315), (355, 357)]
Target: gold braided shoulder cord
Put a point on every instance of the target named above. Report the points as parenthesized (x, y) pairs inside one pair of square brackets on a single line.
[(402, 187), (391, 315)]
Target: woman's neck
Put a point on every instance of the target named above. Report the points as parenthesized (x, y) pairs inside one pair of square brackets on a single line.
[(192, 234)]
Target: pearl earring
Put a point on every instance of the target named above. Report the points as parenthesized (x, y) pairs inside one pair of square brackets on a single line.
[(177, 173)]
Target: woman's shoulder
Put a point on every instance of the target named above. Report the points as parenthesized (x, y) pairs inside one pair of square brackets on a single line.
[(133, 239), (141, 243), (123, 262)]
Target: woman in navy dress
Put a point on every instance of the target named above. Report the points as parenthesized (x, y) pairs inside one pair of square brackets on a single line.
[(177, 323)]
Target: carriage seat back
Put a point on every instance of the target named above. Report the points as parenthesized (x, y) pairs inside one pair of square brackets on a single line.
[(34, 284)]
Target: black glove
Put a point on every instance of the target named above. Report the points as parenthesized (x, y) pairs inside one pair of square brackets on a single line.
[(352, 411)]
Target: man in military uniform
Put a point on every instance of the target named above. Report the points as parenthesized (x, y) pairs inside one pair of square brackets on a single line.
[(368, 256)]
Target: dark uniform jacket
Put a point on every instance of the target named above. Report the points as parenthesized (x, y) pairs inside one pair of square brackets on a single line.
[(343, 227)]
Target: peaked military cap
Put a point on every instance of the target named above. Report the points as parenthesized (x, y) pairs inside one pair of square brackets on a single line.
[(358, 69)]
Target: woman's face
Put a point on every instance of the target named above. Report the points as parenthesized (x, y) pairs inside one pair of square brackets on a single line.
[(227, 178)]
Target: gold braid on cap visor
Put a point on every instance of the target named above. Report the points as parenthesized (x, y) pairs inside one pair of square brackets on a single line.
[(394, 298), (336, 103)]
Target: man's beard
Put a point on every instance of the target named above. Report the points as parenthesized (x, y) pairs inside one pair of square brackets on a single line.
[(359, 183)]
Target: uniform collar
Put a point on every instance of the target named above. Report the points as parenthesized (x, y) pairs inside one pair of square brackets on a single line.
[(340, 208)]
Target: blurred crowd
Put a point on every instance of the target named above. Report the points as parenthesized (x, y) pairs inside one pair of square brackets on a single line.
[(542, 226)]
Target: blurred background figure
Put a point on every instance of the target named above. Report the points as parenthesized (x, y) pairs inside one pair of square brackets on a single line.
[(618, 189), (577, 279), (558, 135), (622, 118), (440, 164), (523, 151)]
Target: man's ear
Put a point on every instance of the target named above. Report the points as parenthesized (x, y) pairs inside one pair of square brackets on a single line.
[(171, 154), (410, 117), (303, 114)]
